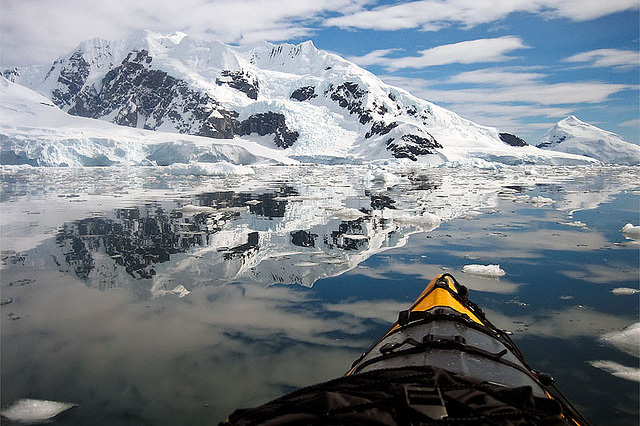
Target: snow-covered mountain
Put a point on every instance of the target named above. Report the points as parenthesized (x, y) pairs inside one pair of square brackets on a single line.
[(574, 136), (293, 101)]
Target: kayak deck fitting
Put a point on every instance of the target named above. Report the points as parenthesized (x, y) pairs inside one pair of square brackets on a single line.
[(442, 362)]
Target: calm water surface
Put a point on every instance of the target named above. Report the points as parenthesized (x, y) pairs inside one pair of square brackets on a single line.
[(150, 298)]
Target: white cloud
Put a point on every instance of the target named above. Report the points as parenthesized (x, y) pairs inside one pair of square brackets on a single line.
[(431, 15), (539, 93), (466, 52), (497, 77), (631, 123), (542, 94), (507, 100), (608, 58), (376, 57), (34, 31)]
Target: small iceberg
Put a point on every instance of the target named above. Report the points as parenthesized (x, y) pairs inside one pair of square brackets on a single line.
[(624, 291), (34, 410), (492, 271)]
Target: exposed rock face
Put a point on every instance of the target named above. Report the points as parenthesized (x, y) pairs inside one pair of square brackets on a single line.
[(304, 93), (412, 146), (512, 140), (240, 80), (380, 128), (350, 96), (72, 78), (303, 239), (11, 74), (135, 95), (267, 123)]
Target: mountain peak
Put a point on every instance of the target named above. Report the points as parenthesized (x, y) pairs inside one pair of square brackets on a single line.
[(572, 135)]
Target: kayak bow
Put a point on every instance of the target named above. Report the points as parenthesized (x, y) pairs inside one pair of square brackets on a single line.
[(442, 362)]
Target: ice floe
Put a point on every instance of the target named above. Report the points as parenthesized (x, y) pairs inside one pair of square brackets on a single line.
[(484, 270), (34, 410), (631, 231), (221, 168), (624, 291), (425, 221), (627, 340), (539, 200), (618, 370)]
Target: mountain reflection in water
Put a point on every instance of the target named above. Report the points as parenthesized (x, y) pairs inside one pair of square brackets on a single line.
[(233, 233)]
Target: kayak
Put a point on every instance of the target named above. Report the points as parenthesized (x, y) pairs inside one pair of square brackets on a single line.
[(442, 362)]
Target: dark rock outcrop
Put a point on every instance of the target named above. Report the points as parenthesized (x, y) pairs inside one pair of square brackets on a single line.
[(304, 93), (240, 80), (512, 140), (411, 146), (303, 239), (351, 97), (380, 128), (72, 78), (267, 123)]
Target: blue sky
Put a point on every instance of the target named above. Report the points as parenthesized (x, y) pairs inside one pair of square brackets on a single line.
[(519, 65)]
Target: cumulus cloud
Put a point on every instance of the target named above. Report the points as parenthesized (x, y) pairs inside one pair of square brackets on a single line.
[(430, 15)]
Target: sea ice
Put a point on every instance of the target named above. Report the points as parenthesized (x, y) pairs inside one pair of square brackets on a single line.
[(631, 231), (221, 168), (618, 370), (539, 200), (624, 291), (484, 270), (180, 291), (348, 213), (34, 410), (627, 340), (426, 221)]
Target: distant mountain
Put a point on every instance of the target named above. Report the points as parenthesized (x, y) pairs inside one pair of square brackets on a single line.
[(577, 137), (294, 101)]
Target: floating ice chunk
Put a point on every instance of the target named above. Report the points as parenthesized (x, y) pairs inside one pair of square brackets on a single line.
[(306, 264), (191, 209), (631, 231), (34, 410), (627, 340), (180, 290), (426, 221), (618, 370), (539, 200), (576, 223), (221, 168), (380, 176), (349, 214), (624, 291), (484, 270)]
